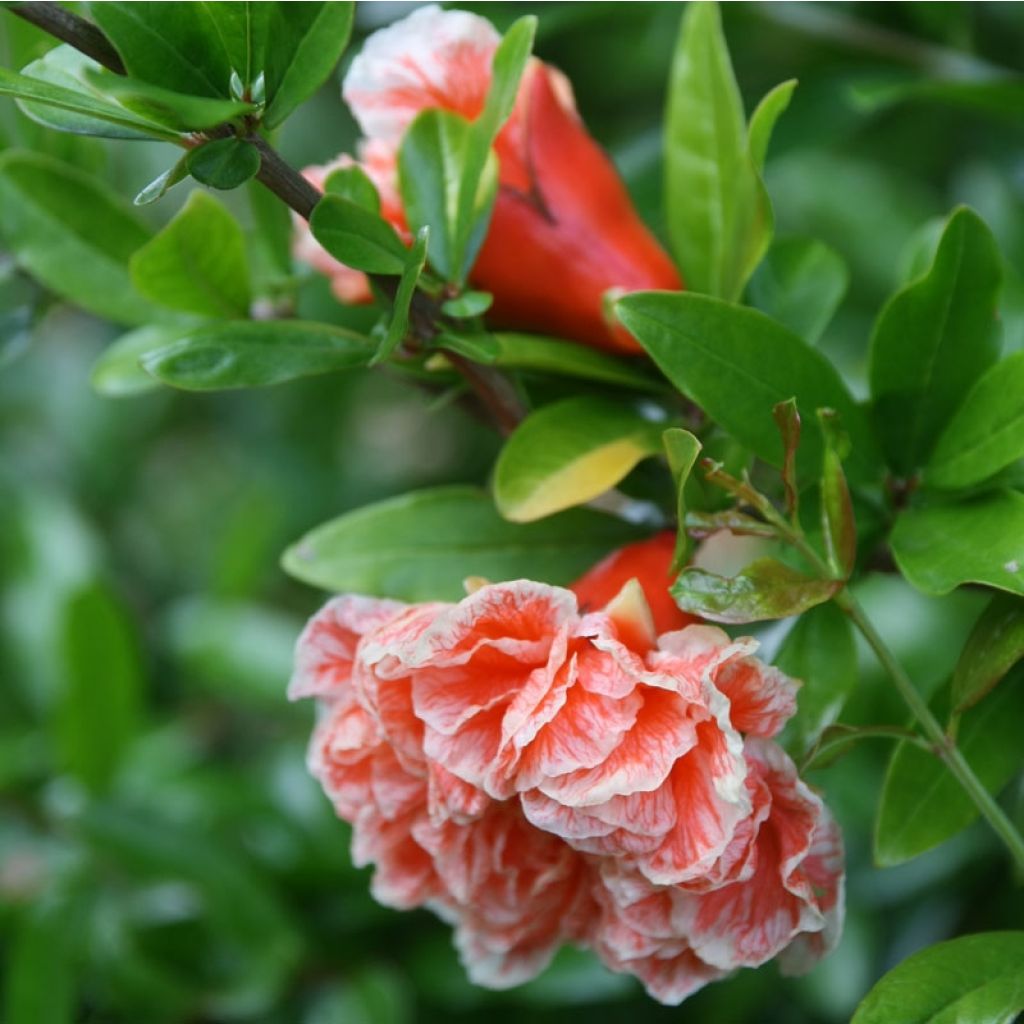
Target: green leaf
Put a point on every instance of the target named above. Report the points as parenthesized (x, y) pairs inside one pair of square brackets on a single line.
[(922, 804), (73, 234), (197, 263), (353, 183), (422, 546), (174, 45), (819, 651), (719, 216), (515, 351), (224, 163), (681, 449), (431, 169), (986, 432), (100, 705), (787, 419), (357, 237), (273, 223), (940, 547), (55, 92), (975, 979), (306, 42), (800, 283), (468, 305), (738, 364), (765, 589), (762, 121), (160, 185), (568, 453), (174, 110), (399, 324), (933, 340), (255, 353), (838, 740), (995, 645), (118, 372), (839, 531), (243, 29)]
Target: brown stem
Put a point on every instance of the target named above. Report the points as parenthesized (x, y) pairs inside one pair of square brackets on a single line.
[(492, 388), (70, 28)]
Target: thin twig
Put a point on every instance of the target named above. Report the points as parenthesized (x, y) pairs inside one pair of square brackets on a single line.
[(70, 28)]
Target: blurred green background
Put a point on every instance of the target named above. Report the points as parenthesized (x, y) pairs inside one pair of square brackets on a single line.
[(163, 854)]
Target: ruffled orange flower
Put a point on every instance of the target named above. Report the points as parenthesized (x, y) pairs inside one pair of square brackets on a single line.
[(564, 232), (540, 776)]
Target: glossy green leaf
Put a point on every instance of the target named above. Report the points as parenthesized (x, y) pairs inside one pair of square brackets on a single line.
[(975, 979), (468, 305), (174, 45), (357, 237), (922, 804), (800, 283), (978, 541), (118, 372), (765, 589), (353, 183), (224, 163), (197, 263), (933, 340), (568, 453), (174, 110), (306, 42), (255, 353), (719, 216), (54, 91), (819, 651), (99, 707), (432, 164), (995, 645), (738, 364), (681, 450), (422, 546), (243, 27), (516, 351), (73, 234), (986, 432), (399, 325)]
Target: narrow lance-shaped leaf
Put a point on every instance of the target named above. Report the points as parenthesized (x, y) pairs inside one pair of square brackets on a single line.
[(765, 589), (254, 353), (422, 546), (399, 324), (974, 979), (568, 453), (933, 340), (980, 540), (681, 449), (922, 804), (787, 419), (995, 645), (197, 263), (738, 364), (986, 433), (837, 523)]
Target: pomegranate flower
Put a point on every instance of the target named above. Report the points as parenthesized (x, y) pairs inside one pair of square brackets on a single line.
[(563, 233), (537, 775)]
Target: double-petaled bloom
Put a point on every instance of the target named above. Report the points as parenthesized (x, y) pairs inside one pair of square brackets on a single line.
[(538, 775), (563, 235)]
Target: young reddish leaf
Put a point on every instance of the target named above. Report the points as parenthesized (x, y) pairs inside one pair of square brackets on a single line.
[(703, 524), (787, 419), (766, 589), (681, 448), (995, 645), (837, 522)]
